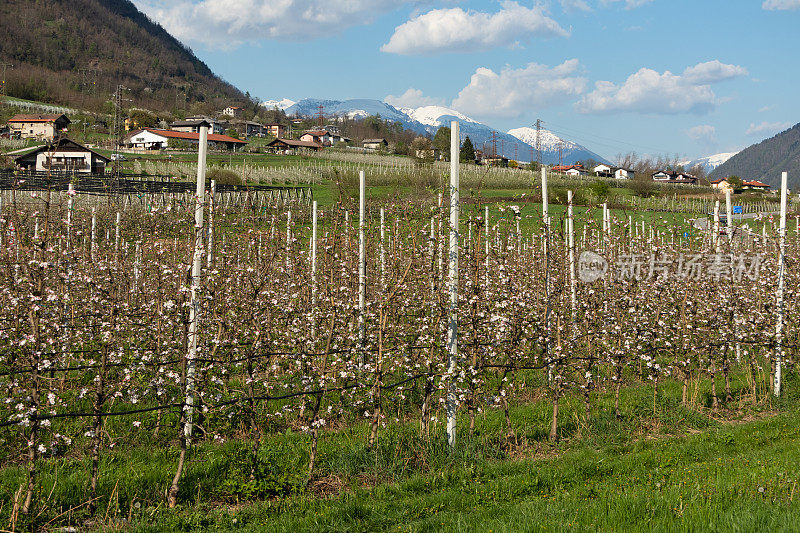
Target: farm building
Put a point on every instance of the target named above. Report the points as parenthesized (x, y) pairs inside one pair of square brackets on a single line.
[(620, 173), (375, 144), (44, 127), (155, 139), (289, 146), (63, 156)]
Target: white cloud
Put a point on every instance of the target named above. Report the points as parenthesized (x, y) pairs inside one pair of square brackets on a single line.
[(766, 108), (648, 91), (767, 128), (629, 4), (412, 98), (712, 72), (703, 132), (513, 91), (780, 5), (575, 5), (456, 30), (230, 23)]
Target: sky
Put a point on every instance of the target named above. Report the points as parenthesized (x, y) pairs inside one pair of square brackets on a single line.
[(657, 77)]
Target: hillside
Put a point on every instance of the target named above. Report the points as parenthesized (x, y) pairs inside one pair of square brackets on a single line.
[(515, 144), (76, 53), (766, 160)]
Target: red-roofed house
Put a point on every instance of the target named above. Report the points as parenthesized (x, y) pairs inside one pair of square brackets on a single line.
[(318, 136), (155, 139), (755, 185), (43, 127)]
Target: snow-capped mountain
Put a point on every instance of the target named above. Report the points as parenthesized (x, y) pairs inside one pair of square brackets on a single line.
[(516, 144), (710, 162), (283, 103), (548, 140)]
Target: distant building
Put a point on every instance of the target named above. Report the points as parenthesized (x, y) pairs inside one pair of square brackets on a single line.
[(156, 139), (65, 156), (43, 127), (289, 146), (375, 144), (572, 170), (721, 184), (755, 185), (321, 137), (275, 129), (192, 125), (669, 176), (233, 111)]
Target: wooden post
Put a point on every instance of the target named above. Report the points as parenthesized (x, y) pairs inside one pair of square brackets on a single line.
[(571, 248), (210, 257)]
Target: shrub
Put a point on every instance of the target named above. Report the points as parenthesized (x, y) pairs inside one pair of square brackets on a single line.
[(224, 176)]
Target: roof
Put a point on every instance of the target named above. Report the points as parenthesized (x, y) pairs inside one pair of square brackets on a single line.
[(192, 122), (214, 137), (317, 133), (297, 144), (375, 140), (38, 118), (755, 183), (718, 180), (60, 146)]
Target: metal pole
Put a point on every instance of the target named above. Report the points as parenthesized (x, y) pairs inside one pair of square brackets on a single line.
[(452, 330), (194, 308), (779, 295)]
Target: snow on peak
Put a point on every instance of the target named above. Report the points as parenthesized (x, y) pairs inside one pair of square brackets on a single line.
[(709, 162), (430, 115), (549, 140), (280, 104)]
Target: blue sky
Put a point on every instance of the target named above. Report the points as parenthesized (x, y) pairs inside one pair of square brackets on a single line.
[(683, 77)]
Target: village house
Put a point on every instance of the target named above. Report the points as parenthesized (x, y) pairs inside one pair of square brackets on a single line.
[(669, 176), (721, 184), (321, 137), (63, 156), (571, 170), (620, 173), (192, 125), (233, 111), (274, 129), (291, 146), (375, 144), (156, 139), (755, 185), (43, 127)]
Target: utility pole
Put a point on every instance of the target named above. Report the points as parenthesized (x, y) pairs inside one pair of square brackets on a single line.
[(321, 115)]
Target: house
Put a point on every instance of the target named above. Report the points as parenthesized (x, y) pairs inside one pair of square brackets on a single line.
[(44, 127), (156, 139), (624, 173), (64, 155), (495, 161), (755, 185), (192, 125), (721, 184), (603, 171), (289, 146), (321, 137), (249, 128), (233, 111), (275, 129), (375, 144), (669, 176), (573, 170)]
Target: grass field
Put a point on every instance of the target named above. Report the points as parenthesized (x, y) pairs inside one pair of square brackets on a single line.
[(659, 467)]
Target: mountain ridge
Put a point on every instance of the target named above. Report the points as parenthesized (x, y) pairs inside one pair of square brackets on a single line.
[(425, 120)]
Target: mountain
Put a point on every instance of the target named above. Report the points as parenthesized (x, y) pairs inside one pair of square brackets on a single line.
[(427, 119), (766, 160), (550, 143), (76, 53), (708, 163), (282, 104)]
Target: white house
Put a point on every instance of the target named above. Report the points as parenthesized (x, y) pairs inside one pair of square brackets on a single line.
[(575, 172), (155, 139), (602, 170), (623, 174), (63, 156)]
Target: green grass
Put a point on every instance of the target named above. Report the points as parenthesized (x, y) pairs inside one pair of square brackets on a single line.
[(670, 469)]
